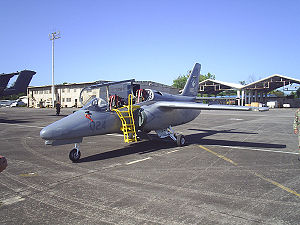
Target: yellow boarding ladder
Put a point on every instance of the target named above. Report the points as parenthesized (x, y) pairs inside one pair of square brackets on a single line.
[(125, 114)]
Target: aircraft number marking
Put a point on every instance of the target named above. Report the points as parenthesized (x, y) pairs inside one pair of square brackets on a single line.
[(97, 125)]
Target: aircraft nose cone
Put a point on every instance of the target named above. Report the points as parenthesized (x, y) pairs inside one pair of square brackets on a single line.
[(46, 133)]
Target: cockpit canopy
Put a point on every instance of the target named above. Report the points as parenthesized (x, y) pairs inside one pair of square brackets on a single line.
[(99, 104), (96, 104)]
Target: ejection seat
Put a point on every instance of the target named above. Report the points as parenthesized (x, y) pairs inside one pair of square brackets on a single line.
[(115, 102), (141, 95)]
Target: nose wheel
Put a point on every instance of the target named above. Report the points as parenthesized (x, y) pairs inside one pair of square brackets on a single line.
[(75, 154)]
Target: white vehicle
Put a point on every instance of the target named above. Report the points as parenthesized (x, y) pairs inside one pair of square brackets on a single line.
[(17, 104), (6, 103)]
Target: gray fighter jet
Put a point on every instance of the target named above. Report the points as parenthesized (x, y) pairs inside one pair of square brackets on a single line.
[(147, 110)]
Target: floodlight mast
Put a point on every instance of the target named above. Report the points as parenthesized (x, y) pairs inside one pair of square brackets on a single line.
[(53, 36)]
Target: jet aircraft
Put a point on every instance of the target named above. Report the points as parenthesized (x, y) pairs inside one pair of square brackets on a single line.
[(147, 110), (21, 84)]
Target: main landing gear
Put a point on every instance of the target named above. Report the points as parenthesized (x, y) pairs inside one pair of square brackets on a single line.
[(169, 132), (75, 153)]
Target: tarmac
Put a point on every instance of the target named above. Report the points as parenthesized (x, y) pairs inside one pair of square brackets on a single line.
[(238, 168)]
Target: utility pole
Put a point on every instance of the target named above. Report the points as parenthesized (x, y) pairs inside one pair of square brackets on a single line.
[(53, 36)]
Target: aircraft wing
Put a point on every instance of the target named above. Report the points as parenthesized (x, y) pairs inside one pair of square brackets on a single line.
[(201, 106)]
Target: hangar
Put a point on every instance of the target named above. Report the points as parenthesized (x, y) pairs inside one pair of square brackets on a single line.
[(246, 94)]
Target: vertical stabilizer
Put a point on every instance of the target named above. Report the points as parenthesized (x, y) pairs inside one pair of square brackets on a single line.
[(23, 81), (192, 85)]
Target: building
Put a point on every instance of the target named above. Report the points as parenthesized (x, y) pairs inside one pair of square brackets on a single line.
[(255, 92), (68, 94)]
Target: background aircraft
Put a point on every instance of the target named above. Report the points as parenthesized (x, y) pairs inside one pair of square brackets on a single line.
[(21, 84), (147, 110)]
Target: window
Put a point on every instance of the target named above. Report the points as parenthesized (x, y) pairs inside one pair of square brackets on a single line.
[(63, 99), (68, 99)]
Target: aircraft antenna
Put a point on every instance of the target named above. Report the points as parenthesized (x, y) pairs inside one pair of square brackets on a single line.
[(53, 36)]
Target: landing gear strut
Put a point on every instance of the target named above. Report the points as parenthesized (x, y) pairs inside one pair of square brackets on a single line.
[(169, 132), (75, 153)]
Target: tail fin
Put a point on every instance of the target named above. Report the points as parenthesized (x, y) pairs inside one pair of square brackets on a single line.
[(192, 85), (4, 79), (23, 81)]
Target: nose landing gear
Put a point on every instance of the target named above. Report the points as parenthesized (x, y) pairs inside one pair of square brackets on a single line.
[(75, 154)]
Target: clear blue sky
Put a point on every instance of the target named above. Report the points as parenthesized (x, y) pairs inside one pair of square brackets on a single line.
[(150, 40)]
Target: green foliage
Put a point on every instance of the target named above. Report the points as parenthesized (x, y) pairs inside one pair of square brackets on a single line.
[(207, 76), (227, 93), (294, 94), (180, 81), (277, 93), (12, 97)]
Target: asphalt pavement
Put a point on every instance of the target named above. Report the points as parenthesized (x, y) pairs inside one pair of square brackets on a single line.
[(237, 168)]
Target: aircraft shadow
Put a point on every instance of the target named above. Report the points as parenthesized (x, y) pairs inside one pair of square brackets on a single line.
[(199, 139), (212, 132), (156, 144), (136, 148), (13, 121), (60, 115)]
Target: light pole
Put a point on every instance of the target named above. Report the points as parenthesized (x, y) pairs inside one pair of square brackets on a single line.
[(53, 36)]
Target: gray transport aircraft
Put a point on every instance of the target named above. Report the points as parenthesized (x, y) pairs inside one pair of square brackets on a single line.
[(21, 84), (147, 110)]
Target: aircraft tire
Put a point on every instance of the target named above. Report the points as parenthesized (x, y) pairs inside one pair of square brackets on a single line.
[(74, 157), (180, 140)]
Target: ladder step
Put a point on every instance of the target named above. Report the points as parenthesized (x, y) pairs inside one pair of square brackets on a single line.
[(126, 116)]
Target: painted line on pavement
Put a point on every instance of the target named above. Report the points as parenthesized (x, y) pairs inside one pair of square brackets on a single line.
[(277, 184), (254, 173), (12, 200), (118, 135), (220, 156), (260, 150), (136, 161)]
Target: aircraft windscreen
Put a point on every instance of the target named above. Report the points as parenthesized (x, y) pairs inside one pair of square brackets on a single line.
[(96, 104)]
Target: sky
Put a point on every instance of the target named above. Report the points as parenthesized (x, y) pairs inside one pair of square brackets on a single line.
[(157, 40)]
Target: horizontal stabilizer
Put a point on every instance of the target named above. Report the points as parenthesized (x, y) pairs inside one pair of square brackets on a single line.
[(194, 105)]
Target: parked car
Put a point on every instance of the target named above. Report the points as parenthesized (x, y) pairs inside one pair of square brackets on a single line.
[(17, 104), (6, 103)]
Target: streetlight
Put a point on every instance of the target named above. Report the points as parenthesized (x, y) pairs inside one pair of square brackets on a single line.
[(53, 36)]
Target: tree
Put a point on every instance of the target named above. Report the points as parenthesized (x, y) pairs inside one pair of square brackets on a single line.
[(207, 76), (180, 81), (12, 97), (277, 93), (242, 82)]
